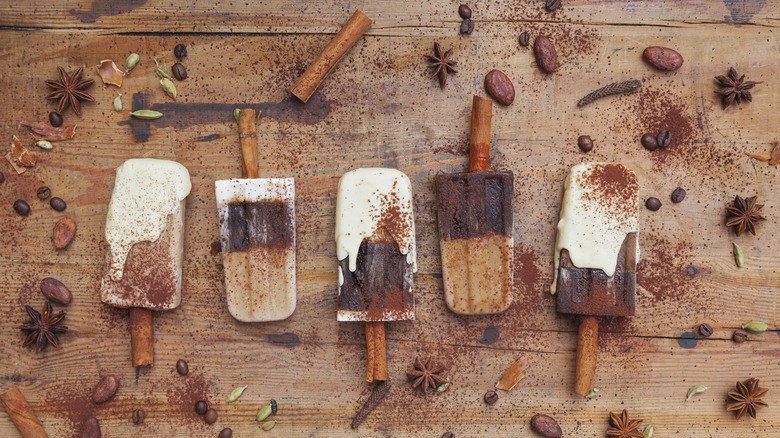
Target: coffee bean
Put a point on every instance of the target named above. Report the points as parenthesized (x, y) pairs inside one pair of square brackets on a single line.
[(663, 58), (90, 428), (491, 397), (705, 330), (664, 138), (500, 87), (653, 204), (182, 368), (55, 119), (43, 192), (448, 435), (648, 141), (64, 232), (464, 11), (678, 195), (273, 407), (226, 433), (22, 207), (58, 204), (201, 407), (105, 389), (739, 336), (585, 143), (545, 54), (546, 426), (180, 51), (552, 5), (210, 416), (139, 416), (2, 178), (524, 39), (467, 26), (179, 72), (54, 290)]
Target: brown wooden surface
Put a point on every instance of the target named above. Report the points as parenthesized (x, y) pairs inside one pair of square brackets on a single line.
[(379, 107)]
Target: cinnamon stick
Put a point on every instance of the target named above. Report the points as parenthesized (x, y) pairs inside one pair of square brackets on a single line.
[(141, 336), (479, 146), (247, 132), (376, 348), (22, 414), (587, 349), (334, 51)]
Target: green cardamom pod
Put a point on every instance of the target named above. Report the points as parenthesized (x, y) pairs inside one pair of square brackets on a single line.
[(443, 387), (739, 256), (168, 87), (264, 412), (756, 327), (268, 425), (146, 114), (648, 432), (695, 390), (236, 393), (43, 144), (592, 393), (161, 71), (131, 62), (235, 114), (118, 103)]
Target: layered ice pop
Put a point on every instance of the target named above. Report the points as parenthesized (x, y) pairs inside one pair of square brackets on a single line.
[(376, 249), (257, 231), (145, 234), (596, 252)]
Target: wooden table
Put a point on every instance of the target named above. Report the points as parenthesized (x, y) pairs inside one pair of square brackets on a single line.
[(380, 107)]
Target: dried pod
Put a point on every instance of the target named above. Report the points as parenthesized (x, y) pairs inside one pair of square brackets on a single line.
[(43, 144), (168, 87), (118, 103), (161, 71), (146, 114), (110, 73), (131, 62), (22, 155), (236, 393)]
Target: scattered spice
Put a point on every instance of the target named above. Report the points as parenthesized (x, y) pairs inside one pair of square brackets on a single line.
[(169, 88), (44, 144), (648, 432), (653, 204), (179, 72), (268, 425), (131, 62), (648, 141), (138, 416), (22, 155), (90, 428), (545, 54), (70, 90), (43, 192), (698, 389), (110, 73), (64, 232), (43, 327), (377, 395), (743, 215), (161, 72), (739, 336), (54, 290), (467, 26), (664, 138), (756, 327), (201, 407), (705, 330), (426, 374), (55, 119), (739, 256), (513, 374), (210, 416), (626, 87), (552, 5), (182, 367), (274, 407), (585, 143), (226, 433), (180, 51), (105, 389), (734, 88), (622, 427), (524, 39), (21, 207), (58, 204), (678, 195), (747, 398), (464, 11), (50, 133), (236, 393), (592, 393), (263, 413), (441, 63), (546, 426), (491, 397), (118, 103), (146, 114), (500, 87)]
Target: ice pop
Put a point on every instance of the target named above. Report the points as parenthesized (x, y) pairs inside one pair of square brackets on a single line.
[(145, 234), (257, 231), (475, 227), (596, 252), (376, 249)]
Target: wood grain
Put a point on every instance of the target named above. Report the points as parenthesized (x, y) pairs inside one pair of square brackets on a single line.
[(380, 107)]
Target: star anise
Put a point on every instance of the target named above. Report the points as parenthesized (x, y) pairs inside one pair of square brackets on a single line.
[(70, 90), (747, 398), (743, 215), (623, 427), (441, 63), (426, 374), (734, 88), (44, 327)]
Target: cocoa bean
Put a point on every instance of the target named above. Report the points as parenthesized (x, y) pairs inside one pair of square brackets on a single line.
[(545, 54), (546, 426), (105, 389), (64, 232), (500, 87), (90, 428), (54, 290), (663, 58)]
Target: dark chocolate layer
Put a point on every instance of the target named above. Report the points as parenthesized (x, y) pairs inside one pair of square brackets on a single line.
[(263, 223), (475, 204)]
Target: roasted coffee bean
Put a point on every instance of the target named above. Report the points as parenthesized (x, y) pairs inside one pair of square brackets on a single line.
[(138, 416), (546, 426), (464, 11), (678, 195), (705, 330), (491, 397), (273, 407), (180, 51), (44, 192), (182, 368), (22, 207), (663, 58), (58, 204), (226, 433), (448, 435), (545, 54), (739, 336), (524, 39), (55, 119), (653, 204), (648, 141), (105, 389), (64, 232), (500, 87), (585, 143), (467, 26), (664, 138), (210, 416), (179, 72), (201, 407), (54, 290), (552, 5), (90, 428)]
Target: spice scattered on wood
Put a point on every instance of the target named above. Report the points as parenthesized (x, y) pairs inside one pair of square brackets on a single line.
[(64, 232), (698, 389), (146, 114), (623, 427), (625, 87), (734, 88), (513, 374), (110, 73), (546, 426), (739, 256), (426, 374), (49, 132), (705, 330), (747, 398), (131, 62), (441, 63), (377, 395), (552, 5), (773, 157), (22, 155), (42, 329), (755, 327), (743, 215), (70, 90), (739, 336)]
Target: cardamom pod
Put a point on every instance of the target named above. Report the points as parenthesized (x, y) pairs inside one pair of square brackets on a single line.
[(443, 387), (168, 87), (592, 393), (146, 114), (648, 432), (264, 412), (739, 256), (43, 144), (756, 327), (235, 114), (161, 71), (268, 425), (131, 62), (695, 390), (118, 103), (236, 393)]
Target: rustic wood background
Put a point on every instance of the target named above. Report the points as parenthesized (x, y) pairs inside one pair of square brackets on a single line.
[(379, 107)]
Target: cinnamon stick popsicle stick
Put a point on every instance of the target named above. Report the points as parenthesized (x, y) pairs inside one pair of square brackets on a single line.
[(141, 336), (334, 51), (22, 414)]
